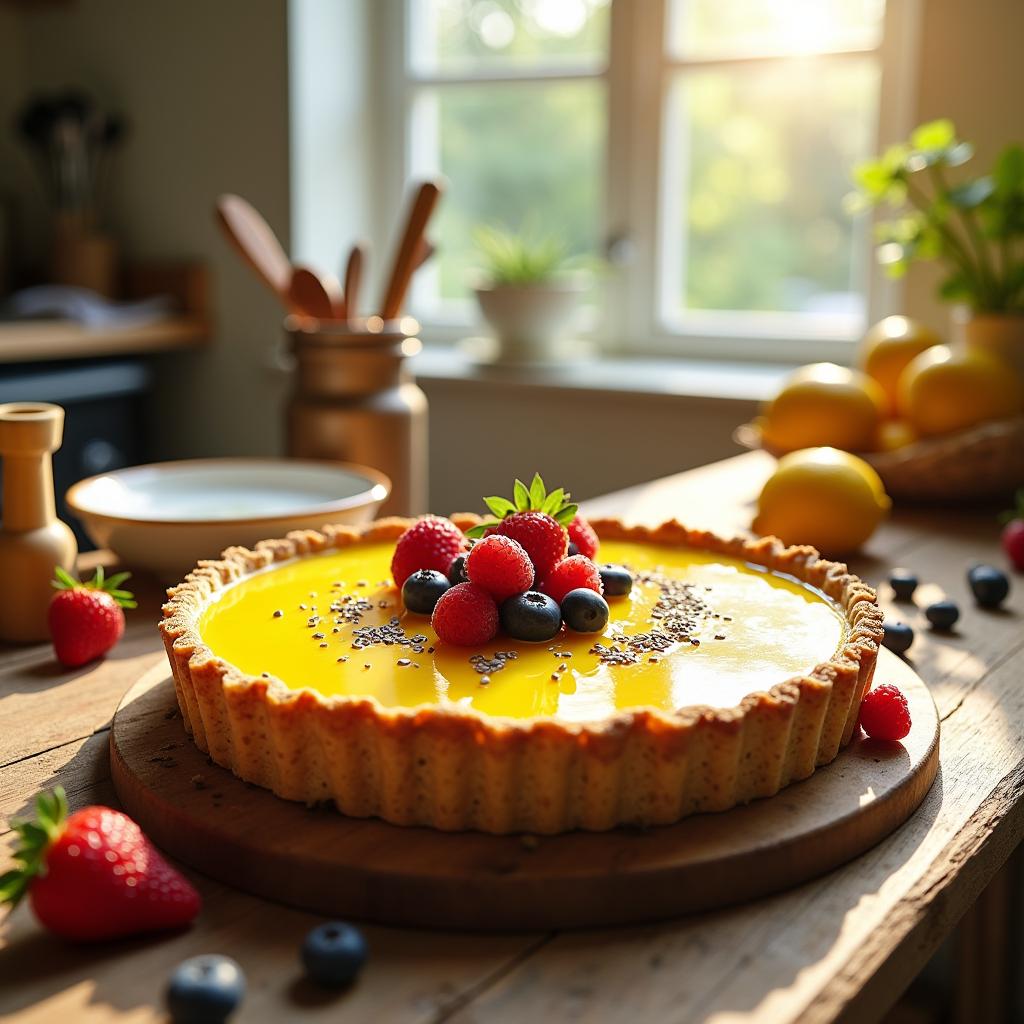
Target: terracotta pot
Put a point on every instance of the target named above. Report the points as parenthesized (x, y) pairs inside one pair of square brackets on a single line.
[(1002, 334), (528, 320)]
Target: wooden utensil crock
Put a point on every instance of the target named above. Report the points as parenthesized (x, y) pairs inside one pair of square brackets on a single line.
[(32, 540), (355, 400)]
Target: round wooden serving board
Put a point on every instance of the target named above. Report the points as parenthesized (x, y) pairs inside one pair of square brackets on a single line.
[(369, 870)]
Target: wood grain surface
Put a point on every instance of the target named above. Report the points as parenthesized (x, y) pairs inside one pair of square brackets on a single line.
[(841, 947)]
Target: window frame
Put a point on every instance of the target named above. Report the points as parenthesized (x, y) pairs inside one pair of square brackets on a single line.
[(628, 319)]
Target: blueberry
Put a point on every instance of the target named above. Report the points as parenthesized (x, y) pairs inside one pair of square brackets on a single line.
[(903, 584), (988, 584), (898, 637), (942, 614), (531, 616), (422, 589), (334, 953), (457, 571), (205, 990), (585, 611), (616, 580), (573, 550)]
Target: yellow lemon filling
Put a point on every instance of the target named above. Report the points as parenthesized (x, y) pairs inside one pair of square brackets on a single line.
[(696, 629)]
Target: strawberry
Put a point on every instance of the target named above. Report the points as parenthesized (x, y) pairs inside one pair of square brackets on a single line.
[(581, 533), (94, 875), (536, 519), (430, 543), (86, 619), (1013, 534)]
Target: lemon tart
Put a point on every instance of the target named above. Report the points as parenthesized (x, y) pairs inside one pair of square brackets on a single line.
[(732, 668)]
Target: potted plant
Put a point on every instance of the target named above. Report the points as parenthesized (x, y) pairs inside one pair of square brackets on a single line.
[(527, 294), (974, 226)]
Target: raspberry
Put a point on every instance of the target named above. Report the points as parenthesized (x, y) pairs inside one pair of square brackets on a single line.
[(884, 714), (572, 573), (544, 540), (466, 616), (500, 566), (581, 533), (430, 543)]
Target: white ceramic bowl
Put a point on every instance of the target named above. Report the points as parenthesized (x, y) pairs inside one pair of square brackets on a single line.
[(166, 516)]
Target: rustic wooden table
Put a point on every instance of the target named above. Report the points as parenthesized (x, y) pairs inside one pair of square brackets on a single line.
[(841, 947)]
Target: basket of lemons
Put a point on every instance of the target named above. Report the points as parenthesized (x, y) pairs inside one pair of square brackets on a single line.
[(936, 422)]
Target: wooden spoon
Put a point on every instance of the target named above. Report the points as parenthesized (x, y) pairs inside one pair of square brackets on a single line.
[(255, 242), (311, 294), (405, 259), (423, 253), (353, 278)]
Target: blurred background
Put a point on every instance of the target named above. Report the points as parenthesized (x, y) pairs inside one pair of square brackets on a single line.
[(691, 156)]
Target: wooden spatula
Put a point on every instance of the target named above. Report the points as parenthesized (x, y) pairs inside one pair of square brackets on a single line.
[(408, 251), (311, 294), (353, 279), (255, 242)]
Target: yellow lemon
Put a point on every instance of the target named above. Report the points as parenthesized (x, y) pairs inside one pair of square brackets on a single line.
[(888, 347), (948, 389), (893, 434), (824, 497), (824, 404)]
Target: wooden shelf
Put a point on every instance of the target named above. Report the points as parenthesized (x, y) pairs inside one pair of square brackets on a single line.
[(34, 340)]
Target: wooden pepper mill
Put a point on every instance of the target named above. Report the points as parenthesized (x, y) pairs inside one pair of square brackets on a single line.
[(32, 539)]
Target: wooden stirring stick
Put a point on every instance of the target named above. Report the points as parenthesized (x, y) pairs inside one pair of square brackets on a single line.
[(256, 243), (405, 259), (308, 294), (353, 279)]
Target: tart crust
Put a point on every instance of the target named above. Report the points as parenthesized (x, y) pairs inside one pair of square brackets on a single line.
[(455, 768)]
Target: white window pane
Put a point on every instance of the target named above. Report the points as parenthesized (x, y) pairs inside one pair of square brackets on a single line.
[(703, 29), (528, 157), (460, 36), (758, 161)]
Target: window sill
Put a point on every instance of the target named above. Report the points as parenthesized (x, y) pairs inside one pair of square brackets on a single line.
[(643, 376)]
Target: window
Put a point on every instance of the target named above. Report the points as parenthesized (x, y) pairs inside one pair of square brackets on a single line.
[(703, 147)]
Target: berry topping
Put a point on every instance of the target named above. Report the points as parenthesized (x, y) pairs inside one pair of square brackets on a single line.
[(500, 566), (571, 549), (942, 614), (422, 589), (85, 618), (430, 543), (616, 580), (94, 875), (334, 953), (571, 574), (457, 571), (205, 990), (531, 616), (466, 616), (1013, 533), (581, 533), (536, 519), (903, 584), (897, 637), (585, 611), (884, 714), (989, 585)]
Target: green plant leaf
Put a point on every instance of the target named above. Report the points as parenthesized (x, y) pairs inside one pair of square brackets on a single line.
[(1009, 171), (64, 580), (938, 134), (500, 507), (954, 288), (521, 494), (959, 154), (480, 529), (538, 492), (554, 501), (566, 514), (972, 193)]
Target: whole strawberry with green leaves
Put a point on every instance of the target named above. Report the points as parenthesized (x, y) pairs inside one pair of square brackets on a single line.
[(93, 875), (536, 519), (86, 618)]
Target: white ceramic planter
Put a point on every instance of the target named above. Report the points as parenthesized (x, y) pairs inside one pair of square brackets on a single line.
[(528, 320)]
